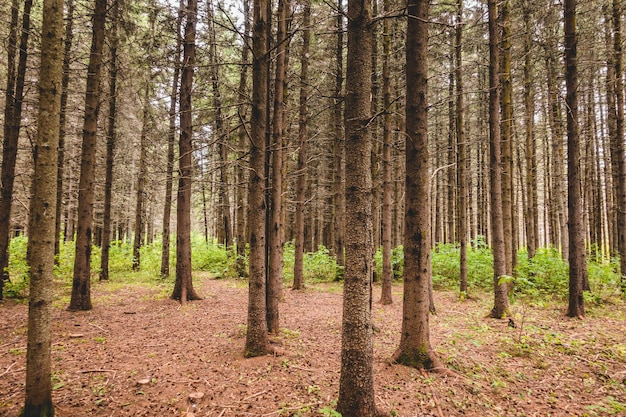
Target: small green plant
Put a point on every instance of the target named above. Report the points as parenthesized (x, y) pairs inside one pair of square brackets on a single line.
[(329, 412)]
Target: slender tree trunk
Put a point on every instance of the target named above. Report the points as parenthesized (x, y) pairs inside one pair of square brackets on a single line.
[(183, 287), (339, 203), (501, 300), (171, 141), (462, 149), (415, 349), (577, 256), (140, 191), (387, 212), (301, 169), (257, 342), (38, 402), (81, 285), (12, 124), (111, 139)]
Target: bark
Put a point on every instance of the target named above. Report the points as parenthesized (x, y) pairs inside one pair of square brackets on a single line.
[(462, 149), (183, 287), (171, 141), (111, 139), (415, 349), (12, 124), (339, 202), (275, 267), (140, 189), (81, 283), (387, 212), (257, 342), (577, 256), (356, 384), (301, 169), (501, 300), (38, 401)]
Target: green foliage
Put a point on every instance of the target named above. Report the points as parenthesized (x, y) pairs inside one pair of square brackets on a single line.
[(397, 262), (319, 266), (18, 269), (445, 263)]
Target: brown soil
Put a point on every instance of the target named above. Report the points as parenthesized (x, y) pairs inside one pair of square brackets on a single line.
[(137, 353)]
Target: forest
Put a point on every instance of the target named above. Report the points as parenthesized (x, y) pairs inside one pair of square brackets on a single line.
[(296, 207)]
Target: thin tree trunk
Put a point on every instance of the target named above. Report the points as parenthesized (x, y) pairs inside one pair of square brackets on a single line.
[(38, 401), (183, 287), (501, 300), (12, 124), (339, 203), (462, 149), (577, 256), (301, 169), (140, 210), (81, 285), (171, 141), (111, 139), (257, 342)]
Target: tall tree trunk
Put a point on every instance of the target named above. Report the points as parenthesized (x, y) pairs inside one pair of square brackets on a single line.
[(387, 212), (618, 158), (415, 349), (339, 203), (171, 141), (577, 256), (65, 82), (356, 384), (242, 138), (301, 169), (81, 285), (183, 287), (140, 190), (462, 149), (111, 139), (257, 342), (12, 123), (38, 402), (501, 300), (275, 267)]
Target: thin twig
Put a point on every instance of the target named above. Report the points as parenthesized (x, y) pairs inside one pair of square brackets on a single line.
[(8, 369)]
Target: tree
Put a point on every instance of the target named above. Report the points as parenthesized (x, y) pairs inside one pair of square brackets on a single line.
[(14, 97), (415, 349), (577, 256), (356, 384), (183, 287), (338, 174), (462, 149), (301, 168), (81, 285), (501, 300), (140, 189), (38, 402), (257, 342)]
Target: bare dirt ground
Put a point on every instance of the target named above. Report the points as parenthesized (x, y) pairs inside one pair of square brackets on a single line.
[(137, 353)]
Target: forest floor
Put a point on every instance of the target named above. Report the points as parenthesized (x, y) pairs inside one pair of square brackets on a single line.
[(138, 353)]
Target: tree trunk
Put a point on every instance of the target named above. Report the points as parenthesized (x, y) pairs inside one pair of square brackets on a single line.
[(12, 124), (577, 256), (386, 215), (415, 349), (257, 342), (501, 300), (339, 203), (356, 384), (301, 169), (38, 402), (141, 183), (171, 141), (462, 149), (111, 139), (183, 287), (81, 285)]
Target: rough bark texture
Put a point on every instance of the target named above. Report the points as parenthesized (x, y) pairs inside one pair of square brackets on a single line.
[(339, 203), (577, 256), (298, 270), (356, 384), (257, 342), (183, 287), (111, 139), (38, 401), (387, 211), (501, 300), (415, 349), (141, 182), (81, 285), (12, 123), (462, 149)]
